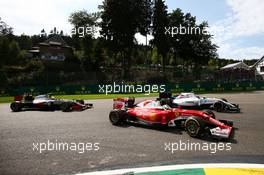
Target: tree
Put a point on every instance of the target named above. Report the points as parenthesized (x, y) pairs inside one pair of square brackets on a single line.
[(4, 50), (145, 26), (176, 18), (14, 52), (121, 20), (160, 22), (155, 57), (43, 33), (24, 42), (146, 12), (4, 28), (195, 46), (10, 52), (83, 19)]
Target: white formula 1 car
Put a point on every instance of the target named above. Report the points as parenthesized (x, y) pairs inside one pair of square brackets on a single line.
[(193, 101)]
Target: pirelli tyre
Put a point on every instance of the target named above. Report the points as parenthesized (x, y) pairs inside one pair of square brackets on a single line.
[(209, 112), (15, 106), (219, 106), (117, 117), (194, 127)]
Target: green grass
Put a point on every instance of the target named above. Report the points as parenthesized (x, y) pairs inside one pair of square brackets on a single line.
[(87, 97), (6, 99)]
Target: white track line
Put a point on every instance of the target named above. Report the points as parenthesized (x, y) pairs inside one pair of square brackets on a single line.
[(174, 167)]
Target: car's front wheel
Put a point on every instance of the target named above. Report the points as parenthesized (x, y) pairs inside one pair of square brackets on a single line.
[(15, 107), (193, 127), (219, 106)]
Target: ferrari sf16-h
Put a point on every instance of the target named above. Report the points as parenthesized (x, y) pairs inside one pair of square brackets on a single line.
[(153, 113), (193, 101), (47, 102)]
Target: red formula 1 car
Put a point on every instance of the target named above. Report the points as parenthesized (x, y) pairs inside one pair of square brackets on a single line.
[(47, 102), (152, 113)]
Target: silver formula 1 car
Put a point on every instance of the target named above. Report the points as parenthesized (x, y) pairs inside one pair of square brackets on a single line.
[(193, 101)]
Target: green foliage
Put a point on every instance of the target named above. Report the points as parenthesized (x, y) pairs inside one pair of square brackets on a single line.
[(160, 21), (10, 52), (24, 41), (14, 52), (155, 57), (115, 53), (34, 66), (83, 19), (213, 62), (5, 29), (121, 20)]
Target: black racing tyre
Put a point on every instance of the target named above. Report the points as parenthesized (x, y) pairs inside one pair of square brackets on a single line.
[(219, 106), (117, 117), (193, 127), (15, 107), (209, 112), (66, 107)]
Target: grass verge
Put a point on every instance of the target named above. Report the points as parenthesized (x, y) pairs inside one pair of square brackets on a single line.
[(87, 96)]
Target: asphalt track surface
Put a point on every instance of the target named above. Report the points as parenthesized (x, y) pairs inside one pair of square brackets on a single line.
[(120, 147)]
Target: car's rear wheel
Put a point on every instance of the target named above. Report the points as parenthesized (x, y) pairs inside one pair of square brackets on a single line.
[(193, 127), (16, 107), (209, 112), (219, 106), (117, 117)]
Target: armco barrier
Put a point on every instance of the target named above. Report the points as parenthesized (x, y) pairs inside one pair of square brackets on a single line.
[(176, 88), (216, 87)]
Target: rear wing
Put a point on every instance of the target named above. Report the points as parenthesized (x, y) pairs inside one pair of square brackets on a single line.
[(26, 97), (123, 103), (18, 98)]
